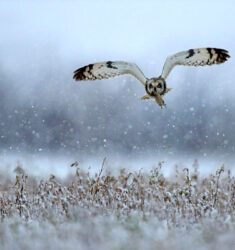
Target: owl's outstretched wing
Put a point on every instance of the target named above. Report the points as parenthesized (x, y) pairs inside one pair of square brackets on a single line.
[(195, 57), (105, 70)]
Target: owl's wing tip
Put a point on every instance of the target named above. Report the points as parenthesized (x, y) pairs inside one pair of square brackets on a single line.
[(222, 55), (79, 74)]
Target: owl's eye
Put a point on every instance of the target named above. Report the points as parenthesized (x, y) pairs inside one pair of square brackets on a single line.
[(150, 85), (159, 85)]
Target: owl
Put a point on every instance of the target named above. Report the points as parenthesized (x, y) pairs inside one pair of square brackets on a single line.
[(155, 87)]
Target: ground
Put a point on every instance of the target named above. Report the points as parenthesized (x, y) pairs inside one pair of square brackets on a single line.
[(125, 210)]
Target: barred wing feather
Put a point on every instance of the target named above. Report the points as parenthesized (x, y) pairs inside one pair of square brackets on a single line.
[(195, 57), (105, 70)]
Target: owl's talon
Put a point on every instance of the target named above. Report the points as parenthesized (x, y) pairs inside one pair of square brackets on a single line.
[(145, 97), (163, 106), (159, 100)]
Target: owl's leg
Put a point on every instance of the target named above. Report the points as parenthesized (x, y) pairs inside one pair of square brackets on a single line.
[(145, 97), (159, 101), (168, 89)]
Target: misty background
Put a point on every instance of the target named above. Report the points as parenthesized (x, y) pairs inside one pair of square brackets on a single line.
[(44, 111)]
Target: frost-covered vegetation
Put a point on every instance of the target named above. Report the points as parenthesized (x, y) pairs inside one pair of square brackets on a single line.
[(128, 210)]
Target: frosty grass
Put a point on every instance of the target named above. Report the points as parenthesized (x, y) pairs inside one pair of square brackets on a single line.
[(130, 210)]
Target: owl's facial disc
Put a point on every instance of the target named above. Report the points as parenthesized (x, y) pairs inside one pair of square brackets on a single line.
[(156, 86)]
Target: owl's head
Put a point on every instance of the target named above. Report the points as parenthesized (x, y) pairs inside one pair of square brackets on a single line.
[(155, 86)]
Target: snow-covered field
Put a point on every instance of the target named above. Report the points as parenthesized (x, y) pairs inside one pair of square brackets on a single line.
[(143, 209)]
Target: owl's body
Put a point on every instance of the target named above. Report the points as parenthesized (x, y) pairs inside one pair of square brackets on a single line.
[(155, 87)]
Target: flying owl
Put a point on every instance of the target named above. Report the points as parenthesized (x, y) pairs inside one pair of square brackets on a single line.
[(155, 87)]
